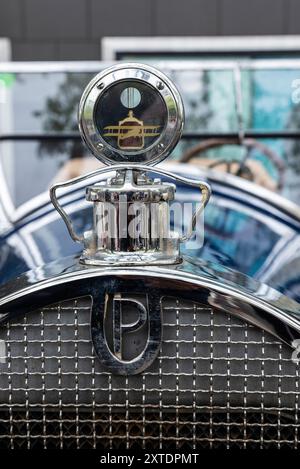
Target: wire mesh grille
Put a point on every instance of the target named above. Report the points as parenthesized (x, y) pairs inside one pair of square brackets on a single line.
[(217, 382)]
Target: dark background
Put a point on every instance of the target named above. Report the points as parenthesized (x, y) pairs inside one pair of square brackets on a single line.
[(71, 29)]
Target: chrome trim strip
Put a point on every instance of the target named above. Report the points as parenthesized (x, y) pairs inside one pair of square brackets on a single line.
[(56, 280), (111, 46), (167, 66)]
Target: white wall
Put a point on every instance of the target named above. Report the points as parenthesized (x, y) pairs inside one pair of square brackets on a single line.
[(5, 50)]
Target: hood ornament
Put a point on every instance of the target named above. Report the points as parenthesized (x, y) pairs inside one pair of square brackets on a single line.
[(131, 117)]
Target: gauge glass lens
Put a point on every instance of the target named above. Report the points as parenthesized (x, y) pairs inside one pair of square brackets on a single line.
[(130, 116)]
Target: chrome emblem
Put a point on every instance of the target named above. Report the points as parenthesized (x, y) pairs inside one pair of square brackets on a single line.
[(126, 331)]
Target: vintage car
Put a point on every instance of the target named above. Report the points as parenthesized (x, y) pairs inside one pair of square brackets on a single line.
[(122, 327)]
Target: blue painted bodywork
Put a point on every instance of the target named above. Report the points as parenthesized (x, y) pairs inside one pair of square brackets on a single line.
[(242, 232)]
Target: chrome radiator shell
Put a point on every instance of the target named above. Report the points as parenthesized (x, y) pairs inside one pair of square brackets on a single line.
[(223, 377)]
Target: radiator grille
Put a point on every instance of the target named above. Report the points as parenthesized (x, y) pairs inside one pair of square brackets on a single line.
[(217, 382)]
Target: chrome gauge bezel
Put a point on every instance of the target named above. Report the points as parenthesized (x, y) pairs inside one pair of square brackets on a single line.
[(170, 135)]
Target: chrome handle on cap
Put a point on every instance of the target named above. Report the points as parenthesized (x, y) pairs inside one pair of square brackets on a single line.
[(203, 186)]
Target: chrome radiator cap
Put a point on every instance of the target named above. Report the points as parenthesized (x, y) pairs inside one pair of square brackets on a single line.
[(131, 115)]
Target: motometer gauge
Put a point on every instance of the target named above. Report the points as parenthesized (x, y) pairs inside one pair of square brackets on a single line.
[(131, 117), (131, 114)]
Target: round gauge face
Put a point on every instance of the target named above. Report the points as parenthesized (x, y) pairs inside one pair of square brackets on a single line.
[(130, 116)]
